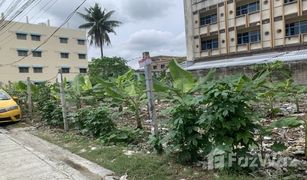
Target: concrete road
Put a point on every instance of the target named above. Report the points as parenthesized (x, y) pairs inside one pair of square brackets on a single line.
[(21, 161)]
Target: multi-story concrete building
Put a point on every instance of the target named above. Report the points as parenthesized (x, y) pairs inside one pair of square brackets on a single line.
[(20, 58), (219, 29), (160, 63)]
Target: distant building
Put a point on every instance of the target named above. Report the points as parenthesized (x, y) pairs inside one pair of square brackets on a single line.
[(65, 50), (219, 29), (160, 63)]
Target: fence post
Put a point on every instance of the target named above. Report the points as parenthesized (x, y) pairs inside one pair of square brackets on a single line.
[(150, 94), (63, 101), (29, 100)]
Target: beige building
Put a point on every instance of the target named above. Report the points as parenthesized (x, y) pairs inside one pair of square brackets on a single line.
[(221, 28), (160, 63), (20, 58)]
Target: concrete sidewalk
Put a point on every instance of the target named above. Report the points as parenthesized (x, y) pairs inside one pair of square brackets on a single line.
[(24, 156), (17, 162)]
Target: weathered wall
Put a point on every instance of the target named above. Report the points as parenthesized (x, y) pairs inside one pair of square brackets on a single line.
[(297, 68)]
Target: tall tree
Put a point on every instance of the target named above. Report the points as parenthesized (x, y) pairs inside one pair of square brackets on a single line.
[(100, 24), (107, 67)]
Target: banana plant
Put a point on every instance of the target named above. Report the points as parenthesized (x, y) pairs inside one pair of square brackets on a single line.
[(128, 89), (79, 90)]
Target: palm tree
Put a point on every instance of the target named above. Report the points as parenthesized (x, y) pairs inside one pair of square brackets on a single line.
[(100, 25)]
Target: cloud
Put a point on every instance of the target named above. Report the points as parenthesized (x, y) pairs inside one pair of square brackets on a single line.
[(145, 9), (149, 39)]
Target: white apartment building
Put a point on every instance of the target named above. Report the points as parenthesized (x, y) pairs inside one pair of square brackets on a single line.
[(20, 58)]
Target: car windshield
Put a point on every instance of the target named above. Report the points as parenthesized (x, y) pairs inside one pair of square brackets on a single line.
[(4, 96)]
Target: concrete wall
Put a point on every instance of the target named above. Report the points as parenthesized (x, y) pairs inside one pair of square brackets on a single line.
[(297, 68), (51, 60)]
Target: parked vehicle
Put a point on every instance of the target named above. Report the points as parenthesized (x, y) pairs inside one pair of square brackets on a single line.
[(9, 109)]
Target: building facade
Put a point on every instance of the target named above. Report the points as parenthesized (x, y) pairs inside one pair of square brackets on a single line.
[(160, 63), (220, 28), (20, 56)]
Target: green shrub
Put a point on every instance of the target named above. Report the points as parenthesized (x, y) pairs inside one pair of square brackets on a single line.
[(228, 115), (185, 138), (125, 136), (94, 121), (48, 106)]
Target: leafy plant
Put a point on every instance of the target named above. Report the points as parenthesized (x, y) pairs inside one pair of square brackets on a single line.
[(107, 68), (128, 89), (271, 90), (124, 135), (94, 121), (48, 104), (208, 114), (79, 91), (228, 115)]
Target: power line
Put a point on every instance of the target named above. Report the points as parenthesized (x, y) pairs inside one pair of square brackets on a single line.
[(20, 11), (40, 14), (67, 19)]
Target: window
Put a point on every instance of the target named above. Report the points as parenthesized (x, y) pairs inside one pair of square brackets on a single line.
[(37, 53), (65, 55), (248, 37), (65, 70), (81, 42), (82, 56), (63, 40), (205, 20), (162, 66), (4, 96), (37, 69), (209, 44), (296, 28), (21, 36), (83, 70), (289, 1), (35, 37), (248, 8), (23, 69), (22, 53), (155, 67)]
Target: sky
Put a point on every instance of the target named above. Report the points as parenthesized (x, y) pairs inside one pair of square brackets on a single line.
[(156, 26)]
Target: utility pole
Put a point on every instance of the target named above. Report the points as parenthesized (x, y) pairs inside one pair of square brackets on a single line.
[(150, 94), (63, 100), (29, 100)]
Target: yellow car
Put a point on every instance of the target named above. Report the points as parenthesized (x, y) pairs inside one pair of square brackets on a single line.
[(9, 109)]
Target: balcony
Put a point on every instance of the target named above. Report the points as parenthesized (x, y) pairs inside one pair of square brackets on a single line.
[(255, 46), (213, 28), (292, 39), (304, 5), (242, 47), (215, 52), (205, 53), (241, 20), (291, 8), (204, 30), (254, 17), (304, 38)]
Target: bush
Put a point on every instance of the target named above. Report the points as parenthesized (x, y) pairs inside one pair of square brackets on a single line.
[(94, 121), (228, 114), (185, 138), (125, 136), (47, 105)]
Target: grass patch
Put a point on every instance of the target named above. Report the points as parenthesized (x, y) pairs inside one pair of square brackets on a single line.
[(137, 166)]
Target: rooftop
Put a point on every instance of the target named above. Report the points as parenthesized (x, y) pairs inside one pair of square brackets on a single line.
[(250, 60)]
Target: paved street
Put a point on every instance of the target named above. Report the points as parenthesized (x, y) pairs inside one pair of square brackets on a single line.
[(24, 156)]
